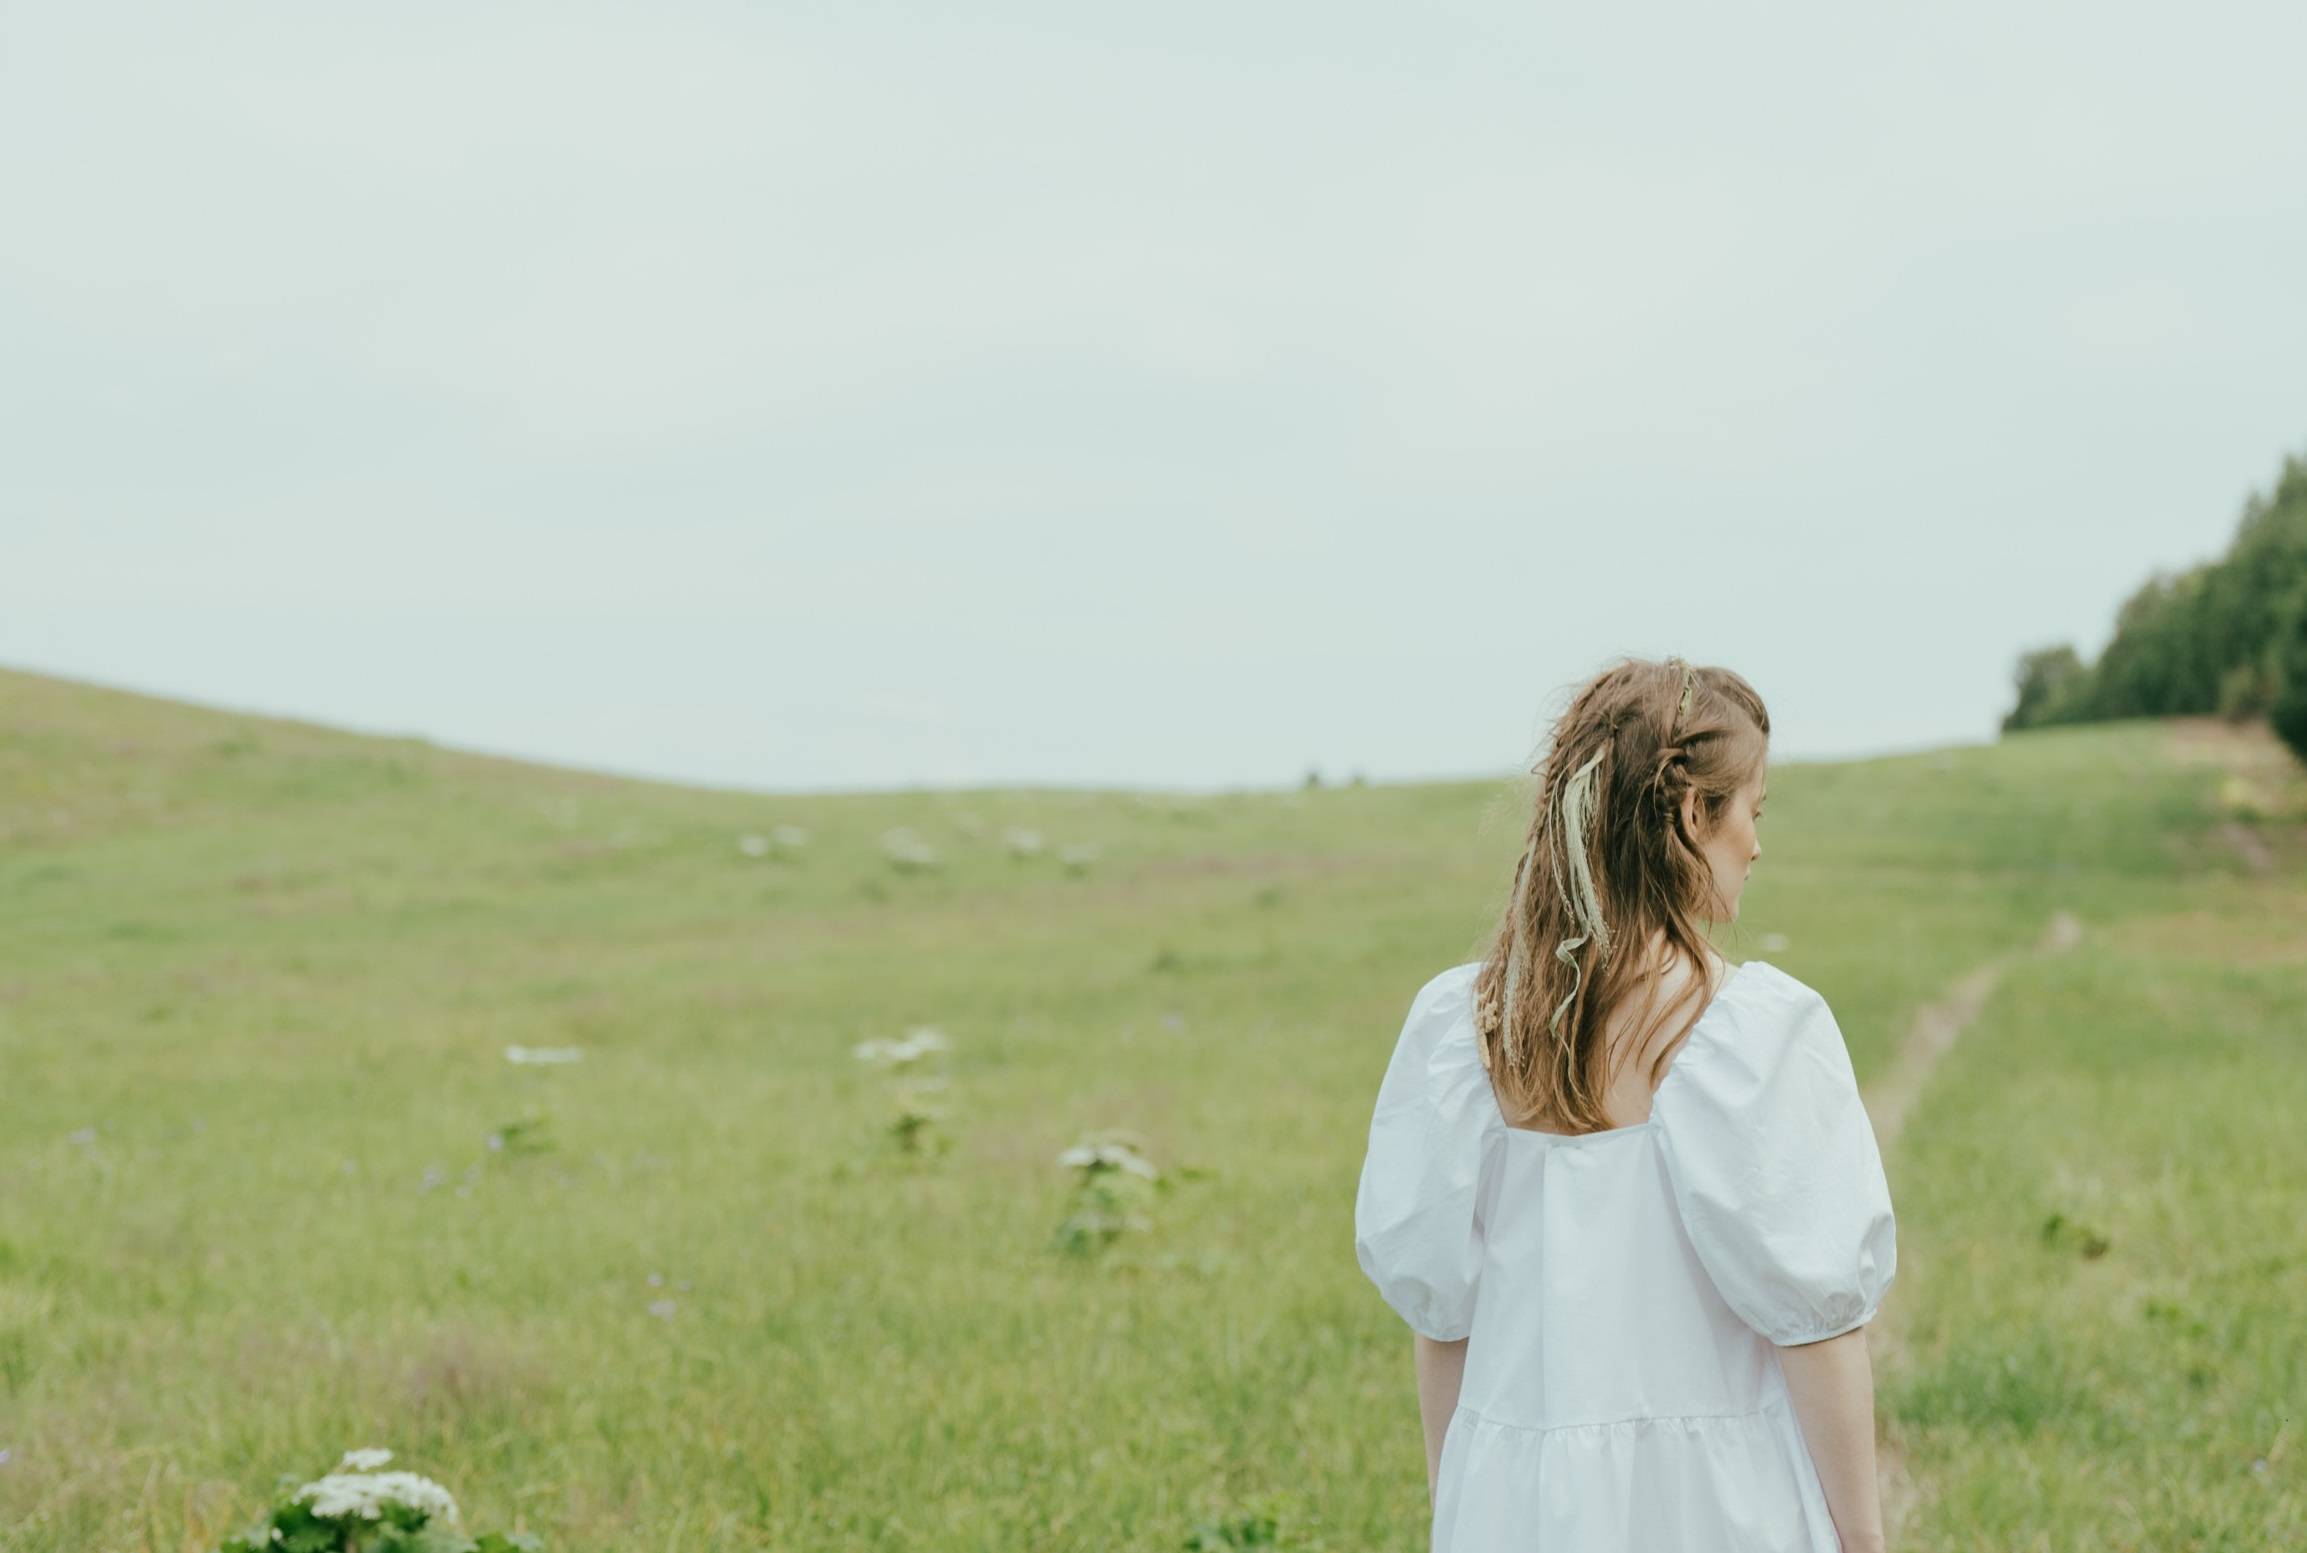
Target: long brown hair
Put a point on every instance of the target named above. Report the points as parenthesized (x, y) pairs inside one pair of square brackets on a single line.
[(1608, 867)]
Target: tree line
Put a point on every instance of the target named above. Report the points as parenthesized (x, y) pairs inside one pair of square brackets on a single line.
[(2227, 637)]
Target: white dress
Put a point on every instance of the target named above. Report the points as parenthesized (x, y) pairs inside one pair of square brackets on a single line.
[(1623, 1290)]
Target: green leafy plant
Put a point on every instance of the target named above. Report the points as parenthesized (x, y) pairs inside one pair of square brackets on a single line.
[(2063, 1233), (1241, 1531), (914, 1126), (531, 1133), (1113, 1180)]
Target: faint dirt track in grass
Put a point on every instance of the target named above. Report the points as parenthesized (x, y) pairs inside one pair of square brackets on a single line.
[(1936, 1028)]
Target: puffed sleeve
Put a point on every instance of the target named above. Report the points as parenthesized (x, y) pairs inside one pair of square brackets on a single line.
[(1435, 1142), (1774, 1165)]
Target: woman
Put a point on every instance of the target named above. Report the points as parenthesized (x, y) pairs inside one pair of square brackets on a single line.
[(1624, 1192)]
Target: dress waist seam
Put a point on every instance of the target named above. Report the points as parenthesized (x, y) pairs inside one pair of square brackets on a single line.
[(1769, 1406)]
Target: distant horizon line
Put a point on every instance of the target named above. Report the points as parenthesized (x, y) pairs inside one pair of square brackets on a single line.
[(1345, 778)]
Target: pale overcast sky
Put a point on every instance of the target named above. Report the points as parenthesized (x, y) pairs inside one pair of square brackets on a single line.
[(861, 395)]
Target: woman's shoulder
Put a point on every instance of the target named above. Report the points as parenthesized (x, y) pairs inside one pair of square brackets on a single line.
[(1442, 1004), (1455, 983), (1438, 1056), (1760, 1014), (1441, 1016), (1758, 984), (1766, 986)]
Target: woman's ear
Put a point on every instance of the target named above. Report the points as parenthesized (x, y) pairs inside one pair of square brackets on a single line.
[(1690, 813)]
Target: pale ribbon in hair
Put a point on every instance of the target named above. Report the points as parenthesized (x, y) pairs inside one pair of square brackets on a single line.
[(1585, 907)]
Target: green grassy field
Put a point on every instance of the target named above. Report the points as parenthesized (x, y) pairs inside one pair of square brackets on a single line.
[(257, 982)]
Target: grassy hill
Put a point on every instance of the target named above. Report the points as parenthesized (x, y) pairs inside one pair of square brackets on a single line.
[(274, 1189)]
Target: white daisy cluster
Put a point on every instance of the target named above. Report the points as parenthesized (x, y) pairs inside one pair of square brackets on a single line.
[(781, 840), (538, 1056), (906, 848), (916, 1044), (1023, 843), (1108, 1152), (357, 1489)]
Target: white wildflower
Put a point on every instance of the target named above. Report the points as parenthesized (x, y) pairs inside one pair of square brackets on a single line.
[(752, 845), (918, 1043), (537, 1056), (83, 1135), (1078, 857), (365, 1494), (365, 1460), (1108, 1155), (1022, 842), (906, 848), (1772, 943), (662, 1309)]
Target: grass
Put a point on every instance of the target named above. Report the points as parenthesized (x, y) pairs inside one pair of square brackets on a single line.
[(260, 976)]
